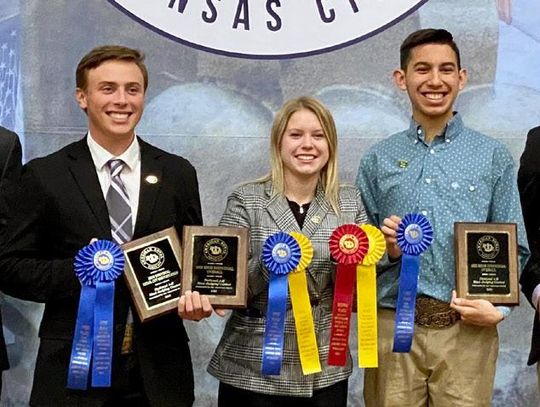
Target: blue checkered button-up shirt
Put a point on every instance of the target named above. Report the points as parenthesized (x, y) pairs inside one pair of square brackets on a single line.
[(462, 176)]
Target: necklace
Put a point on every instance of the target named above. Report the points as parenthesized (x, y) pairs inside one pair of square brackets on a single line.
[(299, 211)]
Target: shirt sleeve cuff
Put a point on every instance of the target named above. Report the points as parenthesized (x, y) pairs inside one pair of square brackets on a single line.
[(535, 295), (505, 311), (385, 264)]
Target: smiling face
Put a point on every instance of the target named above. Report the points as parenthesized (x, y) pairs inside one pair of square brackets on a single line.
[(432, 80), (113, 100), (304, 148)]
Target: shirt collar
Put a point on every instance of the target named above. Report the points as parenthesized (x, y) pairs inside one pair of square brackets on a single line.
[(451, 131), (100, 156)]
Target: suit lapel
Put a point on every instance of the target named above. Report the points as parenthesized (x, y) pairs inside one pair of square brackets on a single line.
[(151, 181), (83, 171), (318, 209), (7, 142)]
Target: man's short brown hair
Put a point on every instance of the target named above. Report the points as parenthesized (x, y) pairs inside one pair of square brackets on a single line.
[(104, 53), (426, 36)]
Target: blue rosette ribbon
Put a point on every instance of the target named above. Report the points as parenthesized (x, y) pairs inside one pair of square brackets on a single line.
[(414, 236), (280, 255), (97, 266)]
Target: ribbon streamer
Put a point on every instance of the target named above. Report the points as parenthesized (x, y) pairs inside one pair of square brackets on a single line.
[(280, 255), (414, 236), (96, 266), (366, 292), (303, 317), (348, 245)]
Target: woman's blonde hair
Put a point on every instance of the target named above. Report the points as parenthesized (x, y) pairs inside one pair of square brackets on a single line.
[(329, 173)]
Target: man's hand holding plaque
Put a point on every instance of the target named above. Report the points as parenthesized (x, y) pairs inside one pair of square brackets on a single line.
[(476, 312)]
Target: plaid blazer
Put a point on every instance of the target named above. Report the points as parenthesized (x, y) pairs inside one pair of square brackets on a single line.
[(237, 360)]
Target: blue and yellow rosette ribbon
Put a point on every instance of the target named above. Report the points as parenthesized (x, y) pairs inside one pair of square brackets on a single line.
[(301, 306), (414, 236), (280, 255), (97, 266), (348, 245), (366, 294)]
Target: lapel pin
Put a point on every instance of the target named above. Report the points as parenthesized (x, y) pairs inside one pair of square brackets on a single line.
[(151, 179), (403, 163), (316, 219)]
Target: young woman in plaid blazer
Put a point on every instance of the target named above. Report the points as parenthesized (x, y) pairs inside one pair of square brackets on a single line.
[(301, 194)]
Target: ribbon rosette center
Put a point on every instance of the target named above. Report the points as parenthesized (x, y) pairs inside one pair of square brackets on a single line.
[(413, 234), (103, 260), (348, 244), (281, 253)]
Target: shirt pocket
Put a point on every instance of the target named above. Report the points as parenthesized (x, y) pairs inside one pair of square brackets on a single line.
[(392, 180), (398, 189), (468, 197)]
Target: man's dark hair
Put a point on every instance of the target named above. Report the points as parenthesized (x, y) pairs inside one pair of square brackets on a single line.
[(104, 53), (426, 36)]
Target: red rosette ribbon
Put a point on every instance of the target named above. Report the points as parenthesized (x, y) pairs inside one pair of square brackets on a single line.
[(348, 245)]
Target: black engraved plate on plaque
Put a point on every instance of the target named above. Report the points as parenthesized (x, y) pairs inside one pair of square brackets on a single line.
[(488, 263), (214, 265), (157, 272)]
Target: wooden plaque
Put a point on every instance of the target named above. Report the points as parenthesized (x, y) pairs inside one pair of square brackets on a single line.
[(153, 273), (487, 262), (215, 264)]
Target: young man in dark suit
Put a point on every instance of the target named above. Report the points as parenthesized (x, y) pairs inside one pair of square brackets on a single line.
[(10, 172), (64, 203), (529, 190)]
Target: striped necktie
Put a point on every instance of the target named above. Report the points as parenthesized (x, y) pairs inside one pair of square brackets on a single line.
[(121, 229), (118, 204)]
